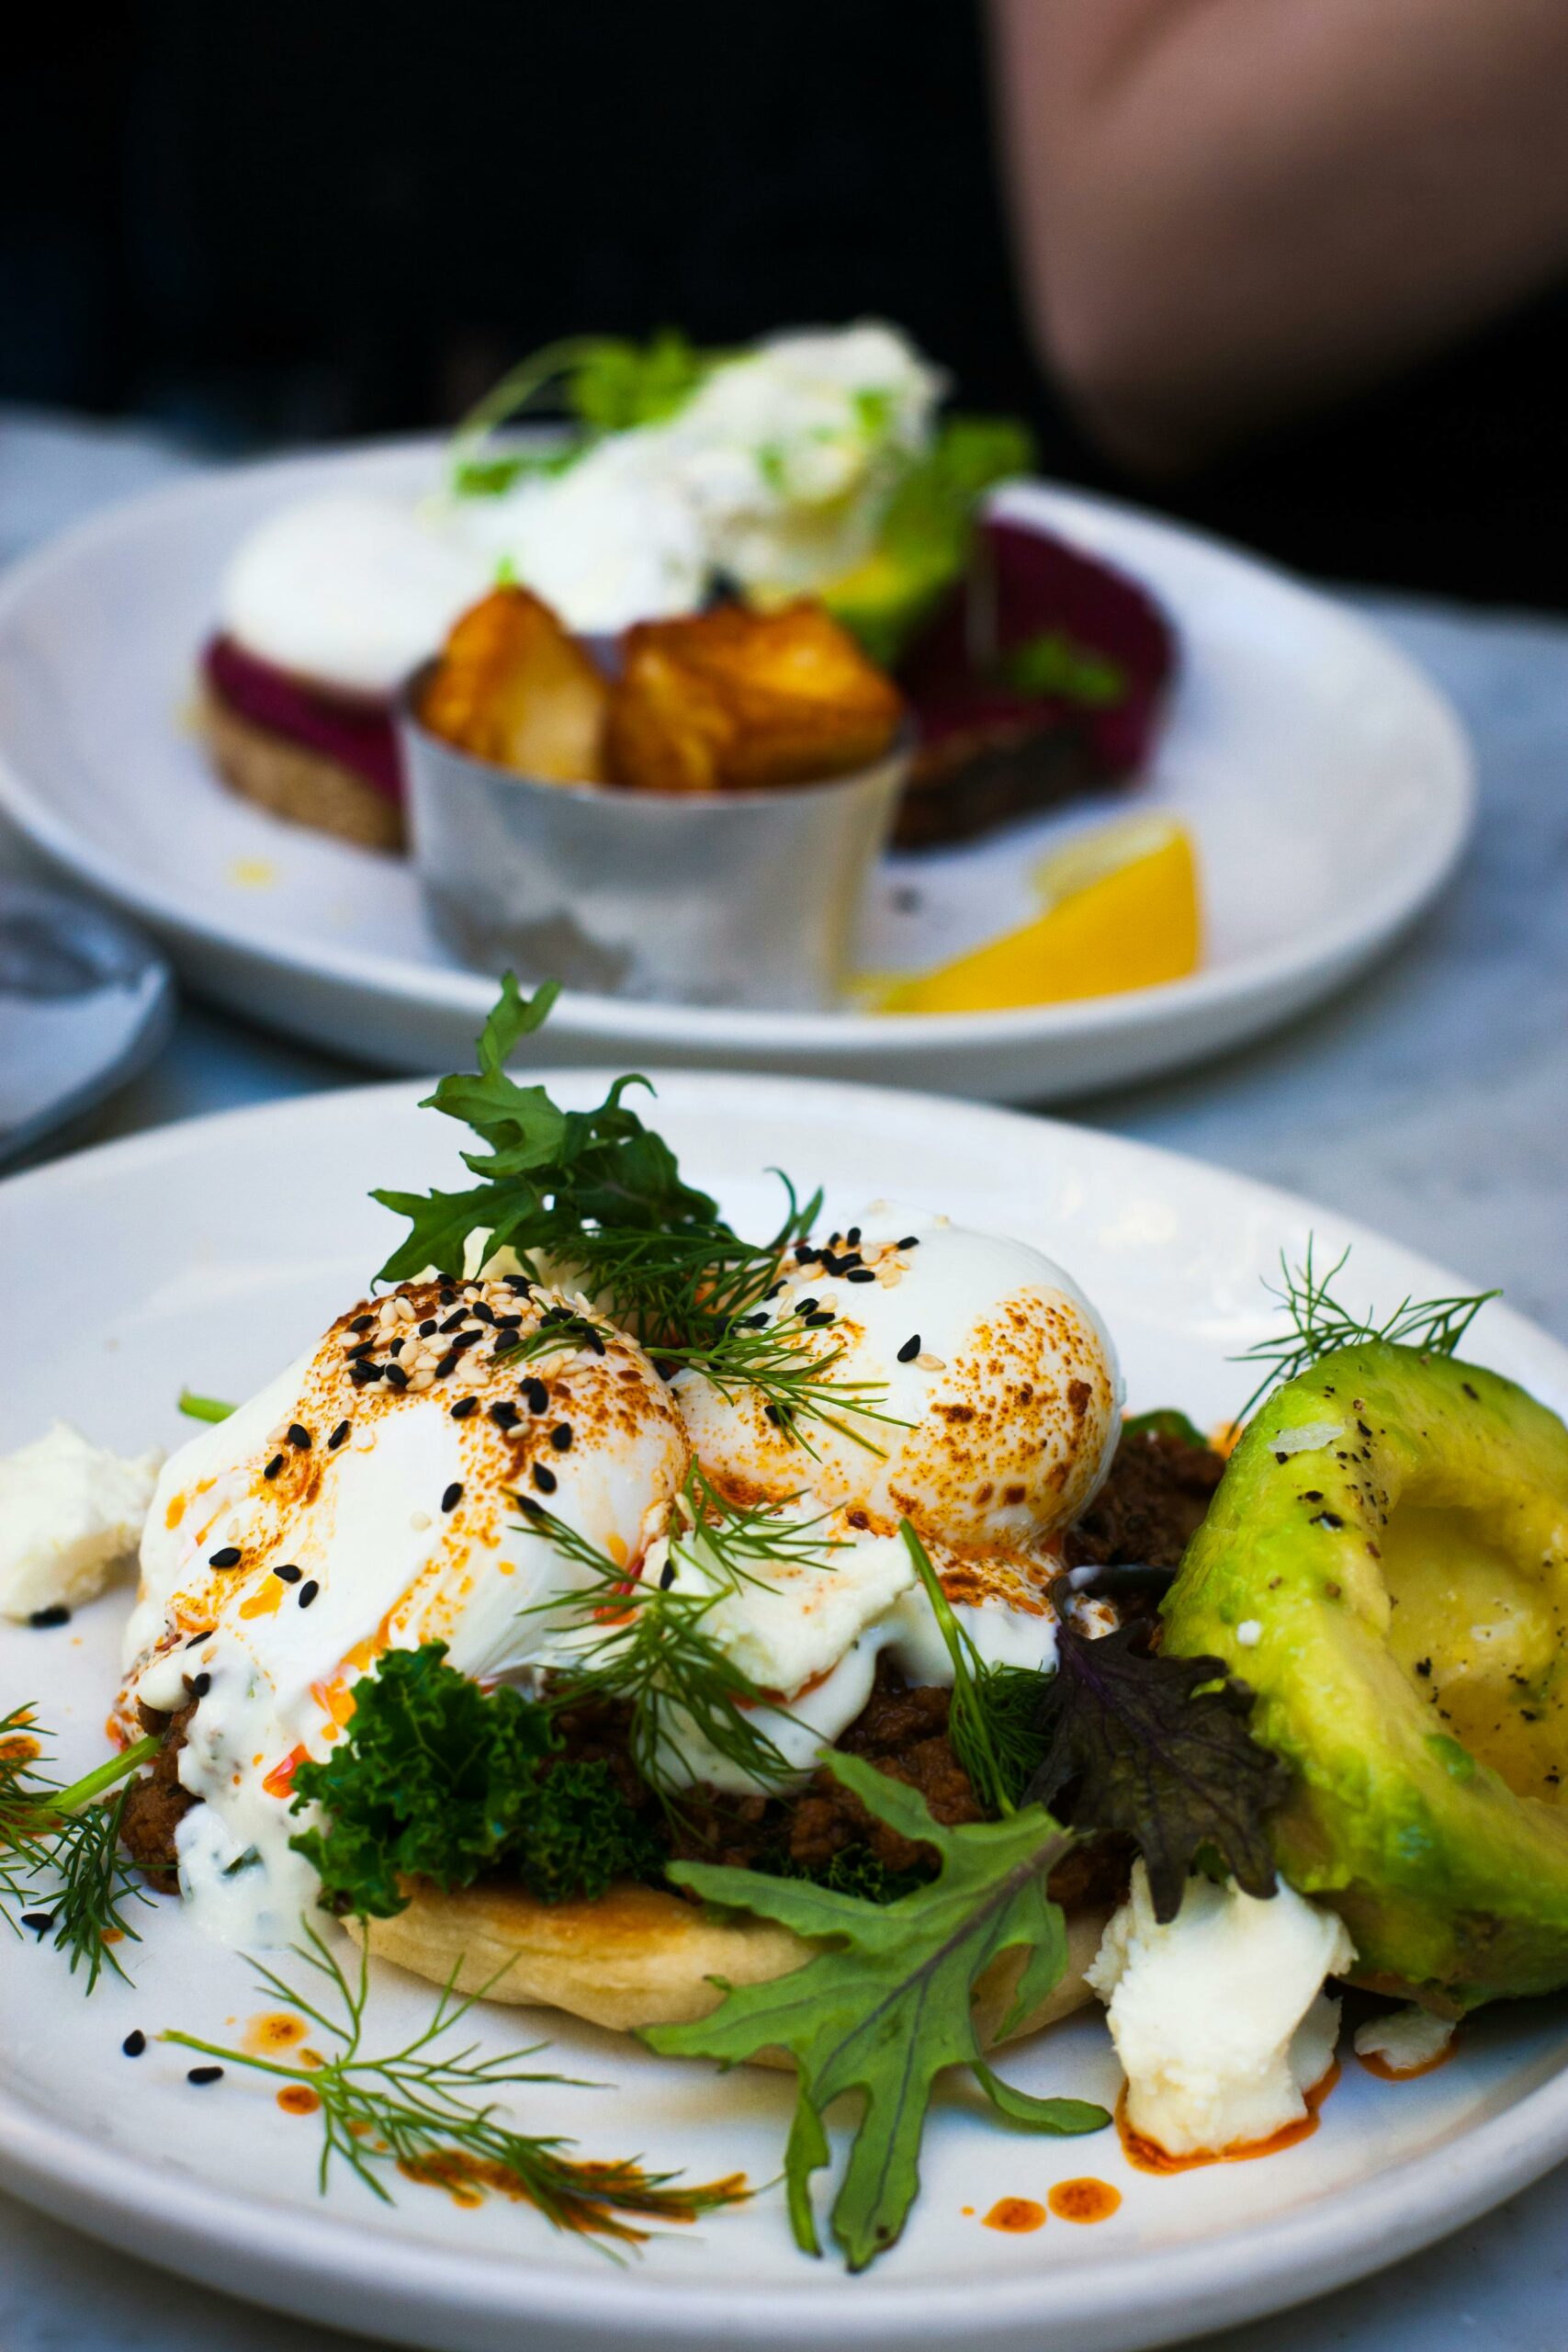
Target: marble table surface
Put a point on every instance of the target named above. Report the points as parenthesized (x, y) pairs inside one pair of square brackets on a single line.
[(1430, 1100)]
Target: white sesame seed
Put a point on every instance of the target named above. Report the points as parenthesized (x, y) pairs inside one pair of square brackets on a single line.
[(928, 1363), (420, 1380), (1249, 1633), (419, 1520)]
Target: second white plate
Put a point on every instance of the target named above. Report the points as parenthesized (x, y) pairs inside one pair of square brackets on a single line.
[(1328, 785)]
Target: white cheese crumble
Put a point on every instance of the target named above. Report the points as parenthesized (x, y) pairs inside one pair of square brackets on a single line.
[(1405, 2040), (1249, 1633), (71, 1513), (1219, 2018)]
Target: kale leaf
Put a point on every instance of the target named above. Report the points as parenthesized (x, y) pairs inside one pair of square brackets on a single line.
[(436, 1778), (886, 2006), (1157, 1748)]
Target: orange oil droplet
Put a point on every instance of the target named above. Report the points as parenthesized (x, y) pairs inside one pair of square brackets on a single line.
[(1084, 2201), (298, 2098), (1147, 2156), (274, 2029), (265, 1601), (1017, 2215), (279, 1782), (967, 2208), (1376, 2063)]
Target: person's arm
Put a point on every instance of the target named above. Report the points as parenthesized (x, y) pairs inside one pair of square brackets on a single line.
[(1230, 210)]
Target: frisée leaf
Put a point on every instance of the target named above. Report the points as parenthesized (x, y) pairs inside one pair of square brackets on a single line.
[(886, 2005)]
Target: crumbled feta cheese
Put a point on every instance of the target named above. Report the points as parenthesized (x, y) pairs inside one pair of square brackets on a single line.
[(70, 1514), (1219, 2018), (1405, 2040), (1249, 1633)]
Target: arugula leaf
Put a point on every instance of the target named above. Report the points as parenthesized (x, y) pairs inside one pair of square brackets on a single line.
[(1157, 1747), (436, 1778), (887, 2006)]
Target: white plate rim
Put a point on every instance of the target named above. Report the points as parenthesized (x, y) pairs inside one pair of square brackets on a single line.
[(1336, 946), (324, 2267)]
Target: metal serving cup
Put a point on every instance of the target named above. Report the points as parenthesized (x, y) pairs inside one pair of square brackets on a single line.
[(693, 897)]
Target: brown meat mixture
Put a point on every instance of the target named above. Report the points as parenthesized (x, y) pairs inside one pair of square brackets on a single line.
[(156, 1804), (1150, 1507)]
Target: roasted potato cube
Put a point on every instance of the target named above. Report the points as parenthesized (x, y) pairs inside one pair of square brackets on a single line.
[(513, 686), (733, 697)]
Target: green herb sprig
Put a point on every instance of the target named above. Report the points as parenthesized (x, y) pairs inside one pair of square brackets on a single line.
[(1316, 1324), (604, 383), (993, 1720), (423, 2106), (59, 1852)]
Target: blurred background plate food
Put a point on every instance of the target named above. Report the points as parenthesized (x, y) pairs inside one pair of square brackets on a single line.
[(1325, 785), (85, 1003)]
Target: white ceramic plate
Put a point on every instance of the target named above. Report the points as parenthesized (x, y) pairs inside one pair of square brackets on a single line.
[(1327, 782), (205, 1254)]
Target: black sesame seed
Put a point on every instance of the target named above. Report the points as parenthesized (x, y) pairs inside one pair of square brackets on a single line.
[(592, 1339), (666, 1370), (274, 1466), (455, 1321), (39, 1922), (202, 2076), (287, 1573), (544, 1479), (201, 1685), (135, 2042), (362, 1323), (480, 1312), (667, 1575), (339, 1437), (452, 1496), (505, 1416), (537, 1395), (464, 1340), (427, 1326), (396, 1375), (775, 1416), (447, 1365), (308, 1592), (560, 1437), (464, 1405), (753, 1322), (228, 1557), (300, 1436), (805, 1305), (853, 1237), (910, 1241), (396, 1346), (364, 1375), (910, 1349), (526, 1504), (358, 1354), (57, 1614), (814, 1322), (197, 1640), (508, 1322), (860, 1274)]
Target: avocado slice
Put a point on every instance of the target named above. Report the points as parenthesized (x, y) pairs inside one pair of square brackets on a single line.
[(1386, 1564)]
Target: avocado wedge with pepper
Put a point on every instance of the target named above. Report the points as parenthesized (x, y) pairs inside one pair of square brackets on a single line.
[(1386, 1564)]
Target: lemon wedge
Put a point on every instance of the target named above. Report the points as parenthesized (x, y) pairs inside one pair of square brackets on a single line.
[(1120, 911)]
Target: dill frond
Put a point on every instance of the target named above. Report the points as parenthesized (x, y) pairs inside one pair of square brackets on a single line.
[(1317, 1324)]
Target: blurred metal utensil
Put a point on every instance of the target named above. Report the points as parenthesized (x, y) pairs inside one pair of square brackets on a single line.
[(85, 1002), (699, 898)]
